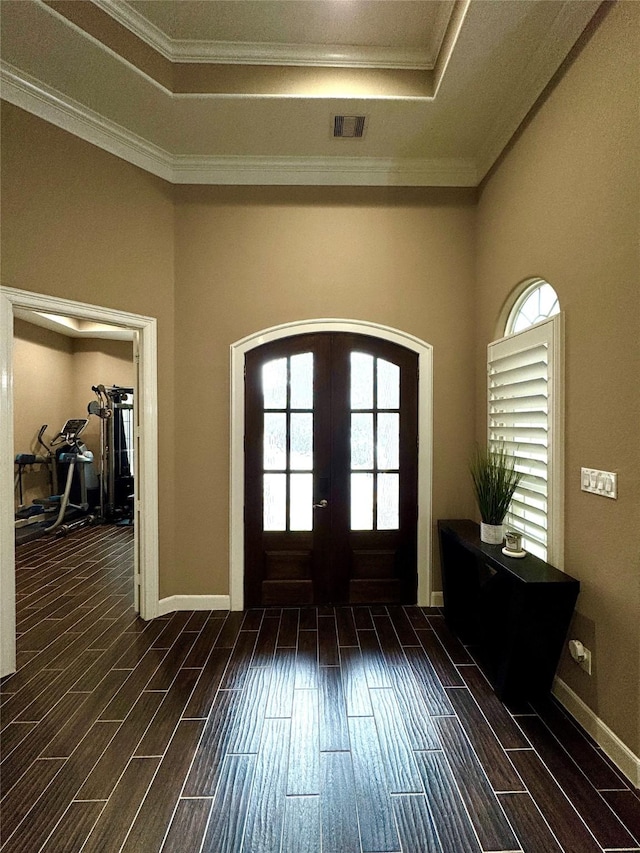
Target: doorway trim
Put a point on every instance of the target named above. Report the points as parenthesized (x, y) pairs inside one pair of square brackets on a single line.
[(146, 527), (425, 439)]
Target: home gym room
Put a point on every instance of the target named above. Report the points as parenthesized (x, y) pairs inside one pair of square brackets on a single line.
[(73, 436)]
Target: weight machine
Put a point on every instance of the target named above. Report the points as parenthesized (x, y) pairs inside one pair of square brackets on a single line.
[(114, 406)]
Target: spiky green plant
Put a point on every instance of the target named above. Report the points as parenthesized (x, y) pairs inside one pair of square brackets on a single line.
[(494, 481)]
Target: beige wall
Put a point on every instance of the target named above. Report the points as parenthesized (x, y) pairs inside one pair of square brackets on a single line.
[(564, 206), (81, 224), (53, 375), (251, 258), (42, 379)]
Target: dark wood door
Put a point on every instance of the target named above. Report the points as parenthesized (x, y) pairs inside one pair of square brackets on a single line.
[(331, 464)]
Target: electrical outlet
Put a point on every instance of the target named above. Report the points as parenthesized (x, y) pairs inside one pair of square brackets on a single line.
[(585, 663), (581, 655)]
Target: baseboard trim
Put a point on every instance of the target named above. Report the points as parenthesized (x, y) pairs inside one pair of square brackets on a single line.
[(437, 599), (193, 602), (624, 759)]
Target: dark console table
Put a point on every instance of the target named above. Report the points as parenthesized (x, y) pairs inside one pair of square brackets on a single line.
[(514, 613)]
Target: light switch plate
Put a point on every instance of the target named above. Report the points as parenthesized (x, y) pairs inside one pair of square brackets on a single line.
[(598, 482)]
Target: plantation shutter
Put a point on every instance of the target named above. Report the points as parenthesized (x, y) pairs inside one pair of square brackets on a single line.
[(525, 416)]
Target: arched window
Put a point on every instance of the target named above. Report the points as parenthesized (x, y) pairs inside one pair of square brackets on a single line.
[(525, 399), (537, 302)]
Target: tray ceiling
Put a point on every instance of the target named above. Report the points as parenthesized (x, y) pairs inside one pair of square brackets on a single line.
[(245, 92)]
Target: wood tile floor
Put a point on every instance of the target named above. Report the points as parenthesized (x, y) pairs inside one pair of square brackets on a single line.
[(346, 730)]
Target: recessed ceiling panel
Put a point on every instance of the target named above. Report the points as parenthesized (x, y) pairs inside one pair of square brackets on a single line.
[(415, 25)]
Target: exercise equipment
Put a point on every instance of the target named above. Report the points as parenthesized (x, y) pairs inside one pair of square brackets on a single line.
[(36, 513), (114, 406), (73, 453), (86, 498)]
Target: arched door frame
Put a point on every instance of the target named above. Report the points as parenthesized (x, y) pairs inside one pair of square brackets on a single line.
[(425, 438)]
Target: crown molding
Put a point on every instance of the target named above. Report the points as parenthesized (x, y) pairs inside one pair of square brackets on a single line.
[(140, 26), (263, 53), (313, 55), (35, 97), (324, 171)]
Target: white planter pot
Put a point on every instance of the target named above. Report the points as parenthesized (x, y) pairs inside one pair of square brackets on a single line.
[(492, 534)]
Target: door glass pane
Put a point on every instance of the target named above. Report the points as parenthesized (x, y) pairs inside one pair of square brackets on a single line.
[(361, 381), (302, 381), (388, 385), (274, 384), (301, 502), (301, 458), (275, 441), (275, 502), (361, 440), (362, 501), (388, 502), (388, 440)]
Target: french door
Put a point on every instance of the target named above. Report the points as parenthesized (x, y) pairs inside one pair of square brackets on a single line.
[(331, 464)]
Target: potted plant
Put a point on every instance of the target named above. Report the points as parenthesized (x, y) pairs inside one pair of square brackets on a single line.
[(494, 481)]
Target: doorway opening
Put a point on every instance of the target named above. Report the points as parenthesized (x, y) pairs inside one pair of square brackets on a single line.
[(422, 354), (142, 330)]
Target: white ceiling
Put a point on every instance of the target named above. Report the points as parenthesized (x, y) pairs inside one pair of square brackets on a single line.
[(416, 28), (72, 327), (212, 91)]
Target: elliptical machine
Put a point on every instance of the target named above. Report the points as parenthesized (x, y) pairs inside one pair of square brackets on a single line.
[(76, 455), (25, 515)]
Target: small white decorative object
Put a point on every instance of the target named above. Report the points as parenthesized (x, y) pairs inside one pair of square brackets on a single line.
[(492, 534), (513, 544)]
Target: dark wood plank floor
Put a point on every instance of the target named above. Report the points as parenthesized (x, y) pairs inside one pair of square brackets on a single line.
[(347, 730)]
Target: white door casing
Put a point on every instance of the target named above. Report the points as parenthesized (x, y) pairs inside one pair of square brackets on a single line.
[(146, 530)]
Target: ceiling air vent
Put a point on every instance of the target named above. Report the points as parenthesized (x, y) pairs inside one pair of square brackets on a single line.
[(348, 127)]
